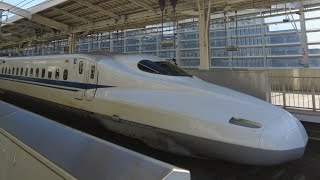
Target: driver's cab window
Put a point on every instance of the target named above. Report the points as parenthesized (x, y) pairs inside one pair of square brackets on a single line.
[(161, 68)]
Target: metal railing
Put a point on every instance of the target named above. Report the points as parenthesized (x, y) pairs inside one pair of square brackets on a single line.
[(295, 92)]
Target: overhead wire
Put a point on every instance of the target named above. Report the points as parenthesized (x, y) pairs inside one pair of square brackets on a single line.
[(10, 10), (15, 6), (18, 10)]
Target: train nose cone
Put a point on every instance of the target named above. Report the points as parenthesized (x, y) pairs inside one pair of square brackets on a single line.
[(284, 139)]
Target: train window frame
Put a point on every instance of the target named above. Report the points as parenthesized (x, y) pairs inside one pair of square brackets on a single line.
[(37, 72), (43, 72), (65, 74), (31, 72), (57, 74), (49, 74), (92, 71), (21, 71), (81, 67), (26, 72)]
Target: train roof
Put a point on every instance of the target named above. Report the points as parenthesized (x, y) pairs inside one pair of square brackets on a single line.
[(98, 55)]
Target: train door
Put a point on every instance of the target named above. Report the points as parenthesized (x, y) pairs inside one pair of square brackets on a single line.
[(91, 80), (80, 65)]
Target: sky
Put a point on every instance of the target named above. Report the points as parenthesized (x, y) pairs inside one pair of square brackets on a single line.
[(24, 4)]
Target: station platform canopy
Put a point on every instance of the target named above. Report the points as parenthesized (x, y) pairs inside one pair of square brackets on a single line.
[(64, 17)]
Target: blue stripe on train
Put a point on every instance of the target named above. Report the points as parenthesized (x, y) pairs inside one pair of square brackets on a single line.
[(38, 84), (48, 82)]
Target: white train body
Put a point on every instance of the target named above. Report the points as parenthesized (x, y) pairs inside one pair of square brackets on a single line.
[(176, 113)]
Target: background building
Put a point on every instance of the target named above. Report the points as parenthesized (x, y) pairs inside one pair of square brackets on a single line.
[(265, 38)]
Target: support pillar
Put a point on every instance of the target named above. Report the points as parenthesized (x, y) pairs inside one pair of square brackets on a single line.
[(304, 40), (111, 41), (1, 10), (204, 19), (17, 51), (140, 41), (72, 43), (177, 44), (263, 38)]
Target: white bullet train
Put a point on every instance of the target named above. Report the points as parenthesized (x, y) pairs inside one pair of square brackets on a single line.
[(150, 99)]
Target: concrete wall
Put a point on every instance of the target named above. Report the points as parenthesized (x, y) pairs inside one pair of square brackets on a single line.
[(297, 72), (252, 82), (303, 79)]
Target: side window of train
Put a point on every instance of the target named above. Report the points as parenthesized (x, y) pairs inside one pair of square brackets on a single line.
[(37, 72), (31, 72), (12, 71), (93, 70), (21, 71), (43, 73), (26, 72), (65, 74), (81, 64), (57, 73), (49, 73), (17, 73)]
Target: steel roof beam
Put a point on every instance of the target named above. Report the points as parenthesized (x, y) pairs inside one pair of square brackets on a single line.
[(71, 15), (49, 22), (10, 37), (98, 8), (143, 4)]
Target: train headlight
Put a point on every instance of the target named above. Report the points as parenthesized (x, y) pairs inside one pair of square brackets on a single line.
[(244, 123)]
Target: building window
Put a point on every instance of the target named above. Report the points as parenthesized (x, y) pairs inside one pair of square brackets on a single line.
[(81, 64), (93, 70), (21, 71), (31, 72), (57, 73), (9, 71), (43, 73), (65, 74), (2, 70), (17, 73), (12, 71), (26, 72), (6, 71), (37, 72), (49, 74)]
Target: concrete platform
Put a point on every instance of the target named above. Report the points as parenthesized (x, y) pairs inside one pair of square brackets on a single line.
[(34, 147)]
